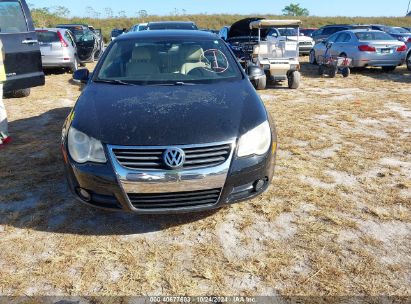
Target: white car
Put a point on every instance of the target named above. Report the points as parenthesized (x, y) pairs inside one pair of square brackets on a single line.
[(291, 34)]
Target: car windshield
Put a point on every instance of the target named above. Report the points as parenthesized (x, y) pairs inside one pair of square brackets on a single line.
[(369, 36), (154, 61), (82, 36), (288, 31)]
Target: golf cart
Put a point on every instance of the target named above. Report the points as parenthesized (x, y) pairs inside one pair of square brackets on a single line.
[(276, 56)]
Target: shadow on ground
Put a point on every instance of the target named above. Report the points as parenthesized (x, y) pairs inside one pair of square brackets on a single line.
[(34, 195)]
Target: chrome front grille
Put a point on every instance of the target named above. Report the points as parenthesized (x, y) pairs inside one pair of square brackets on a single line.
[(305, 43), (175, 200), (151, 158)]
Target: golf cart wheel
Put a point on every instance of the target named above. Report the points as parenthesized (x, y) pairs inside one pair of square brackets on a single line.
[(313, 60), (294, 79), (261, 83), (389, 68), (321, 70), (332, 72), (346, 72)]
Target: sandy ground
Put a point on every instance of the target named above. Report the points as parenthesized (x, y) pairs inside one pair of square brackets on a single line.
[(336, 220)]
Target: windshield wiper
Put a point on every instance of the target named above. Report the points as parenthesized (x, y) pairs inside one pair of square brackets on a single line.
[(114, 81)]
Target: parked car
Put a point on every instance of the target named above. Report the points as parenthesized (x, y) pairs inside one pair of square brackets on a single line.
[(22, 52), (397, 32), (88, 44), (308, 31), (365, 47), (58, 49), (172, 25), (148, 137), (115, 33), (328, 30), (291, 34), (139, 27)]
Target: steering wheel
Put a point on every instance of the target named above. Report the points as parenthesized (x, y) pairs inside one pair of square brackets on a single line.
[(214, 65)]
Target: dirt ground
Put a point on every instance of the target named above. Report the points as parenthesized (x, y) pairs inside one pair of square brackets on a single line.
[(335, 221)]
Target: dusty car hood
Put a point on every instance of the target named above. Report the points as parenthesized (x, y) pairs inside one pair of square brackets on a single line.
[(168, 115)]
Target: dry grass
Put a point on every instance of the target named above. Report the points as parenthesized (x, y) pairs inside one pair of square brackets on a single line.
[(336, 220)]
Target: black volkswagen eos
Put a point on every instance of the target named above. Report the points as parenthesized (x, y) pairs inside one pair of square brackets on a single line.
[(168, 122)]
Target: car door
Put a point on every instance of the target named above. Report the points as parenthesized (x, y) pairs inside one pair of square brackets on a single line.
[(22, 53), (321, 48), (86, 44), (341, 44)]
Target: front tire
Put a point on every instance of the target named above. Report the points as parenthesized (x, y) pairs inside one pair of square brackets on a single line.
[(312, 59), (261, 83), (389, 68), (294, 79), (17, 93), (408, 62)]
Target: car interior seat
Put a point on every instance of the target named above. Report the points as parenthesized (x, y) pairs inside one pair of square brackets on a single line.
[(193, 59), (141, 63)]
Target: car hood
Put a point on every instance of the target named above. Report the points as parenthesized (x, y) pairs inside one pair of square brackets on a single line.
[(168, 115), (241, 28)]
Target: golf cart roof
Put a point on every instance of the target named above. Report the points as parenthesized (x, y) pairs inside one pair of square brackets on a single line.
[(273, 23)]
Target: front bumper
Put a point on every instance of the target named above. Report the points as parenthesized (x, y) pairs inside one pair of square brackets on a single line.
[(113, 187)]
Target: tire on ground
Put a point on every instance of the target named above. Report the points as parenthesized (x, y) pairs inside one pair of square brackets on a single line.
[(17, 93), (294, 79)]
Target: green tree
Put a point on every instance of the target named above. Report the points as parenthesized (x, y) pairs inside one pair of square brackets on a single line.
[(295, 10)]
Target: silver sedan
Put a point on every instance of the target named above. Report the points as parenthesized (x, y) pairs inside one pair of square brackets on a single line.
[(366, 48), (58, 48)]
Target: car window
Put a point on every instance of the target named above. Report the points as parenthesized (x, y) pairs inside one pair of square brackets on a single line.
[(69, 38), (273, 33), (343, 37), (369, 36), (317, 33), (332, 38), (168, 61), (47, 36), (12, 18)]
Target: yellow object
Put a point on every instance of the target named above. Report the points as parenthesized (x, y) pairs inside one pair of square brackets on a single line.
[(2, 68)]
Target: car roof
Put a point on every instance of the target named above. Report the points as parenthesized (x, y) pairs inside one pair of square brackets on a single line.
[(361, 31), (169, 33), (171, 22), (51, 29)]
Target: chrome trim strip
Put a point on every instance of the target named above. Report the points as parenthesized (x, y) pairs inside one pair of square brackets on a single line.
[(161, 181)]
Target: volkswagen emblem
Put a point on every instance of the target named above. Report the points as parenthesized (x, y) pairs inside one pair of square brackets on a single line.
[(174, 158)]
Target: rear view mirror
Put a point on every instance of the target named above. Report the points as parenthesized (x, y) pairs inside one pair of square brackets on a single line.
[(81, 75)]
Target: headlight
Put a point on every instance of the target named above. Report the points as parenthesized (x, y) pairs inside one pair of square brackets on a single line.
[(83, 148), (255, 142)]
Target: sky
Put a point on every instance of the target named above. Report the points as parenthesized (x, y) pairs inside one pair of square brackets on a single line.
[(165, 7)]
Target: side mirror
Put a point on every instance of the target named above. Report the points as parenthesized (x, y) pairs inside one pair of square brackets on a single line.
[(81, 75), (254, 73)]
